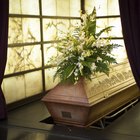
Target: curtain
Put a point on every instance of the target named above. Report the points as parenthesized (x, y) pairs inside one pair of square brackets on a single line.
[(130, 19), (4, 6)]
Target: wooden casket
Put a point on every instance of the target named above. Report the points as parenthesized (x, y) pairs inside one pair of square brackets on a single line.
[(89, 101)]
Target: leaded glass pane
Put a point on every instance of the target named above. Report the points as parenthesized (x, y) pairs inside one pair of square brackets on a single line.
[(33, 82), (31, 29), (49, 7), (89, 5), (15, 61), (117, 29), (23, 30), (23, 58), (57, 7), (15, 31), (14, 88), (120, 52), (30, 7), (49, 79), (63, 7), (14, 7), (101, 6), (101, 24), (75, 8), (49, 29), (32, 57), (75, 22), (49, 53), (113, 7), (62, 26)]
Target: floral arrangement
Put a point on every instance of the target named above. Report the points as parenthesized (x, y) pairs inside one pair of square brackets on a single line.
[(83, 52)]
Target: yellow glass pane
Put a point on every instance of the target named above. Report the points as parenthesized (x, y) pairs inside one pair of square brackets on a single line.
[(49, 7), (23, 58), (49, 53), (101, 6), (75, 8), (15, 31), (14, 88), (63, 7), (31, 29), (89, 5), (113, 7), (62, 27), (101, 24), (49, 81), (30, 7), (23, 30), (15, 60), (33, 82), (32, 57), (20, 87), (14, 7), (49, 29), (75, 22), (117, 28), (120, 52)]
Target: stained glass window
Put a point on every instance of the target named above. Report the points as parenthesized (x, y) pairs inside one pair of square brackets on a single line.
[(30, 7), (23, 58), (33, 27), (23, 30)]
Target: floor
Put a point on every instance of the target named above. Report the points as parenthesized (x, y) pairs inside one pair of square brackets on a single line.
[(25, 123)]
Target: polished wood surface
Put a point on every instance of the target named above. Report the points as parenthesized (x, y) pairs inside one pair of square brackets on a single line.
[(70, 105), (89, 101)]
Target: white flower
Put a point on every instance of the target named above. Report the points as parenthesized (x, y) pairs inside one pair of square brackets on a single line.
[(93, 67), (66, 58), (100, 43), (81, 58), (80, 67), (75, 73), (99, 58), (82, 36), (76, 80), (87, 53)]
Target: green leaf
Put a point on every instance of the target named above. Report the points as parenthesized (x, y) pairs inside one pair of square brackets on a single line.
[(67, 71), (91, 59), (87, 64), (92, 28), (102, 67), (104, 30)]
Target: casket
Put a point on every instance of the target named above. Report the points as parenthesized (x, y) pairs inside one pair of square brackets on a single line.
[(88, 101)]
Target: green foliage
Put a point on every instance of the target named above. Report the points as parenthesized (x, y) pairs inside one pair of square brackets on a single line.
[(83, 52)]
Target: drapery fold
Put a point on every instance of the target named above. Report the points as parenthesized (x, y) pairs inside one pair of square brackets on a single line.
[(4, 12), (130, 19)]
